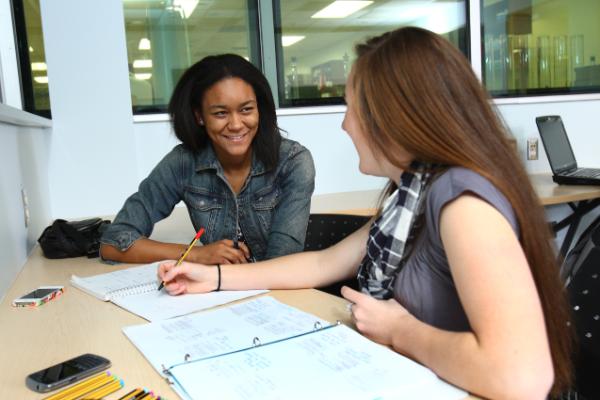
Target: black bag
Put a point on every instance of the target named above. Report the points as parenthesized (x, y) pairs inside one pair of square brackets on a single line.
[(64, 239)]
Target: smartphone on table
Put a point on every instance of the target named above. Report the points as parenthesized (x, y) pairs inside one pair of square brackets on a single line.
[(39, 296), (66, 372)]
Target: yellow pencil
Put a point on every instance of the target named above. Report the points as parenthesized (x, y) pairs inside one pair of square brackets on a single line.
[(89, 388), (184, 255), (67, 391), (104, 390)]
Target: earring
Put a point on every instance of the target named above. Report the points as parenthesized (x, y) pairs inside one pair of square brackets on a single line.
[(201, 122)]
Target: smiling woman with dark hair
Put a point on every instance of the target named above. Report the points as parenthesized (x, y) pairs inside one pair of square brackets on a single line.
[(240, 180)]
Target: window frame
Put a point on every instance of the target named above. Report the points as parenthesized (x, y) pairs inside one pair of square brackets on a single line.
[(255, 51), (24, 62), (269, 59), (279, 88), (535, 95)]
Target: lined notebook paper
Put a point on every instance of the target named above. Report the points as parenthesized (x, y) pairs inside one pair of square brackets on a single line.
[(135, 290)]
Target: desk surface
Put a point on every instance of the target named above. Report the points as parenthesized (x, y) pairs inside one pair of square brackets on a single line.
[(77, 323), (551, 193)]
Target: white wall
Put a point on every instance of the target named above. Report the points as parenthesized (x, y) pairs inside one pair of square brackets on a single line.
[(23, 165), (93, 153)]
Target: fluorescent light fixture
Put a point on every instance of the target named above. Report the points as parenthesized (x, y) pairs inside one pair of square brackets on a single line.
[(40, 79), (144, 44), (143, 77), (142, 63), (290, 40), (443, 18), (186, 6), (341, 9), (38, 66)]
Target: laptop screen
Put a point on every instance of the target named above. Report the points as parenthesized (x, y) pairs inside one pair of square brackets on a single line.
[(556, 143)]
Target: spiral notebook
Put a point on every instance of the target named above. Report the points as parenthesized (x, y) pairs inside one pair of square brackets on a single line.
[(135, 290), (262, 349)]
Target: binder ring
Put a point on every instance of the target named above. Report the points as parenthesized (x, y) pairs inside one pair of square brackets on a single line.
[(317, 326), (167, 373), (256, 341), (186, 358)]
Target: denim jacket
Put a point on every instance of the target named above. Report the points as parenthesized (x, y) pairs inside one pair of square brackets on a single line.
[(272, 208)]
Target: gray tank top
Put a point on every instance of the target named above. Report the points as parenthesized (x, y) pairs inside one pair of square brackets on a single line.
[(425, 286)]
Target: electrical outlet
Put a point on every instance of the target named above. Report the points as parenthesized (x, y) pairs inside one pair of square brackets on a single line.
[(532, 148), (25, 200)]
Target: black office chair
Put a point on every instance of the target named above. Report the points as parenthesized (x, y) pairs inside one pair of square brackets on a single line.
[(325, 230), (581, 271)]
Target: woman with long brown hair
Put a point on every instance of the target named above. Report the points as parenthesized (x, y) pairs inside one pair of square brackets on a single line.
[(458, 271)]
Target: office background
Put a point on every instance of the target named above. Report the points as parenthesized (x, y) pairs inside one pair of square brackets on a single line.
[(93, 153)]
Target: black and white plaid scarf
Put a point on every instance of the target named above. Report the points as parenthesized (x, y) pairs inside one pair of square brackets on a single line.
[(392, 235)]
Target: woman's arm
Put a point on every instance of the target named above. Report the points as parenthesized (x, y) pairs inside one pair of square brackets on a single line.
[(126, 239), (147, 250), (289, 221), (300, 270), (507, 353)]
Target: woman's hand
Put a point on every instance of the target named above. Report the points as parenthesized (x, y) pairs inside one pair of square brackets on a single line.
[(221, 252), (379, 320), (188, 277)]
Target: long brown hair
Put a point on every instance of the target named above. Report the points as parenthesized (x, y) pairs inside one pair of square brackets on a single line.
[(414, 89)]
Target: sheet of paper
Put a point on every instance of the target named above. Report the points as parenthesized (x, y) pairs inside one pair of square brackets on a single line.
[(218, 331), (335, 363), (158, 305)]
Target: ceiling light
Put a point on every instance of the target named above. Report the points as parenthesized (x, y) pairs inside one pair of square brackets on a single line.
[(38, 66), (341, 9), (30, 49), (186, 6), (40, 79), (143, 77), (290, 40), (142, 63), (144, 44)]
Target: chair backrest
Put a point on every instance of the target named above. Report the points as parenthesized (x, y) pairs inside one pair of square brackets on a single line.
[(581, 271), (325, 230)]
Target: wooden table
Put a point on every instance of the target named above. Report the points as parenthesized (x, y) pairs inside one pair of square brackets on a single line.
[(551, 193), (581, 198), (77, 323)]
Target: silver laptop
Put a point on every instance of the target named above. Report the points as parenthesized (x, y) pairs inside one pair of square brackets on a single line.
[(560, 154)]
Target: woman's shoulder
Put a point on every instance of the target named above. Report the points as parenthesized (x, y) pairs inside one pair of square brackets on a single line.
[(457, 181), (295, 160), (292, 152), (290, 148)]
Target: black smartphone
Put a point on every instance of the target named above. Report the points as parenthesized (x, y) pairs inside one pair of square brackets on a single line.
[(66, 372)]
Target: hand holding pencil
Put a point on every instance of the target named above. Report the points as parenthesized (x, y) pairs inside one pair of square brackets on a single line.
[(184, 255)]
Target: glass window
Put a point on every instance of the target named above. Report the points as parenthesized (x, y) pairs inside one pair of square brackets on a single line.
[(32, 59), (315, 39), (165, 37), (539, 47)]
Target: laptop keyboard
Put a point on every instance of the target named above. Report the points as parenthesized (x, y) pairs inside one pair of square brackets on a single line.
[(586, 173)]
